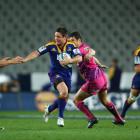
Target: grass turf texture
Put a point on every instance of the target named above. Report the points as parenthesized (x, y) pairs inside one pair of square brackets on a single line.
[(35, 128)]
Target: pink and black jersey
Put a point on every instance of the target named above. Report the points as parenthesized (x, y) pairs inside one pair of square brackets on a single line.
[(95, 77), (89, 69)]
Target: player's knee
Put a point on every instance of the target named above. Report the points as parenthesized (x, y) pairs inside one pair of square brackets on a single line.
[(64, 94), (104, 101), (75, 101), (132, 98)]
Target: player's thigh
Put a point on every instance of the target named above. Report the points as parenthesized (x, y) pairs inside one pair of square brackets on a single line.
[(81, 95), (103, 97), (62, 89)]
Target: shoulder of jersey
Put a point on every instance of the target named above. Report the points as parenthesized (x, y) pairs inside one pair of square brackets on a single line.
[(50, 43), (71, 43)]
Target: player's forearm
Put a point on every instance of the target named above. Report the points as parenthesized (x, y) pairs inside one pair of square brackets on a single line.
[(90, 54), (31, 56), (76, 59), (4, 63)]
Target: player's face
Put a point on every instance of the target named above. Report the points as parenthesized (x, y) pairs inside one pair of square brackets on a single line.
[(74, 40), (59, 38)]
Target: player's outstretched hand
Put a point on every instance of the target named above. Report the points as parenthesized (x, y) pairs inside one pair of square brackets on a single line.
[(17, 60)]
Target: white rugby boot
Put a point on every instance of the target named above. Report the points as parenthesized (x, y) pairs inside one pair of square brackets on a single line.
[(60, 122)]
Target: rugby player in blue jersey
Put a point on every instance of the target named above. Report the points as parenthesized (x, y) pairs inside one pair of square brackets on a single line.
[(60, 76), (135, 87)]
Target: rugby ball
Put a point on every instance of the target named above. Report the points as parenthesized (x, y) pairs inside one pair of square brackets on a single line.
[(62, 56)]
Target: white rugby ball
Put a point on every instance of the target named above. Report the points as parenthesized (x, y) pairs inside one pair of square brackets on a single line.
[(62, 56)]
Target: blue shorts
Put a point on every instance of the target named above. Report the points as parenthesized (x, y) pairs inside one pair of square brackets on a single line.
[(136, 81), (56, 78)]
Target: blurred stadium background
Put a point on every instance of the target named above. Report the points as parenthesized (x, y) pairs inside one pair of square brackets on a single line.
[(110, 27)]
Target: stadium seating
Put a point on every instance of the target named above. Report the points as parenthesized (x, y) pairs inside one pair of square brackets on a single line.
[(111, 27)]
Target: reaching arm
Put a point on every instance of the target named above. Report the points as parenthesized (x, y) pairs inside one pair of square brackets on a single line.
[(31, 56), (4, 62), (90, 54), (8, 61)]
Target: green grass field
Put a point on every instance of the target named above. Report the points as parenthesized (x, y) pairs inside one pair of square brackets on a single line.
[(32, 127)]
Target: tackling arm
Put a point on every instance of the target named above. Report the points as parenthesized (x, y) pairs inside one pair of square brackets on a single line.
[(90, 54), (73, 60), (76, 59)]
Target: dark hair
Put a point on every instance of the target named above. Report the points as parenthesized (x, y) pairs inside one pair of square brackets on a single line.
[(76, 35), (62, 30)]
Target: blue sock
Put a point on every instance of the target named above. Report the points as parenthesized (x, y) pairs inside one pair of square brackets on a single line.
[(53, 106), (61, 107)]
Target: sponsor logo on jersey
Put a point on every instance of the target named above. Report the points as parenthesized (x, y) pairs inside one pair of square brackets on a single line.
[(42, 48), (76, 51), (53, 50)]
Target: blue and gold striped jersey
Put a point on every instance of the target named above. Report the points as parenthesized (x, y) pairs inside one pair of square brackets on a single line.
[(54, 51)]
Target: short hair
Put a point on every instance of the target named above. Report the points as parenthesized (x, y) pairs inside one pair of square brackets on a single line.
[(62, 30), (76, 35)]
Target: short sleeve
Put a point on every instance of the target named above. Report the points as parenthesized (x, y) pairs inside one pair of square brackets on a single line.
[(43, 49)]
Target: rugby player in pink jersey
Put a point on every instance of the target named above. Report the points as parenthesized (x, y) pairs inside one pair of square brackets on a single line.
[(92, 72)]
